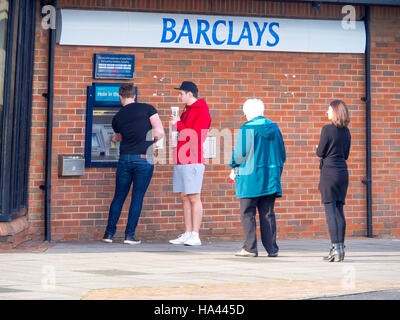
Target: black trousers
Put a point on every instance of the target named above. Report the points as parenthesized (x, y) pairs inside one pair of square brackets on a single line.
[(336, 221), (265, 206)]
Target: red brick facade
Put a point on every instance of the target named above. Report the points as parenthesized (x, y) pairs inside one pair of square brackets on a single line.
[(296, 89)]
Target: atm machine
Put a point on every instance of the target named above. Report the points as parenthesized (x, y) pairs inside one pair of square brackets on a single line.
[(102, 104), (103, 149)]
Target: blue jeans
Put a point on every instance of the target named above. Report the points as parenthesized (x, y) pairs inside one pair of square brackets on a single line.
[(131, 169)]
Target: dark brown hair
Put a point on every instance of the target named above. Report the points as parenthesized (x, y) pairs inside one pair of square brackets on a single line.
[(127, 91), (340, 116)]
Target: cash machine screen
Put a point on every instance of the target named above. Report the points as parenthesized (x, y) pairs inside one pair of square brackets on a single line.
[(103, 148)]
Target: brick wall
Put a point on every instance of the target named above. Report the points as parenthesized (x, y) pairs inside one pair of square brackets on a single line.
[(385, 78), (296, 89)]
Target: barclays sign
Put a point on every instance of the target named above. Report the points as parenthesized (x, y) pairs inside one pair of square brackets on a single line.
[(164, 30), (201, 31)]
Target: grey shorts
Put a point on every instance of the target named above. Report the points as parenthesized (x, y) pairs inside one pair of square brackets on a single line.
[(188, 178)]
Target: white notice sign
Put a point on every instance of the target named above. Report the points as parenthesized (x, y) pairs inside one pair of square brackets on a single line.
[(164, 30)]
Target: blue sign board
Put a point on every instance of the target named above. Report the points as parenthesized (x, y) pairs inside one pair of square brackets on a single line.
[(102, 94), (113, 66), (106, 94)]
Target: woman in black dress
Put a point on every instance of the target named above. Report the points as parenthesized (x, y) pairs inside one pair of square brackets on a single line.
[(333, 149)]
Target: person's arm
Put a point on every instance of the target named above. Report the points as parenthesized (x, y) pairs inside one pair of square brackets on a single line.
[(281, 146), (180, 126), (242, 147), (323, 143), (202, 122), (117, 137), (348, 144), (114, 124), (158, 129)]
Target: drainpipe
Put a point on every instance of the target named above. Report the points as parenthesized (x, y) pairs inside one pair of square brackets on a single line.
[(49, 95), (367, 99)]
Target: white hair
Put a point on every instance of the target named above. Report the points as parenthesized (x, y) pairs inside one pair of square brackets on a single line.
[(253, 108)]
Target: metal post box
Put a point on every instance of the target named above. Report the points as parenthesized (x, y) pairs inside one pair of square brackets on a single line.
[(71, 165)]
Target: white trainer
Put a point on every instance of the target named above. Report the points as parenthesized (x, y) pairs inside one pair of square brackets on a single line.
[(194, 240), (181, 239)]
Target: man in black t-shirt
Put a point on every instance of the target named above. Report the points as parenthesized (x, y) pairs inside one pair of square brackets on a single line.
[(132, 125)]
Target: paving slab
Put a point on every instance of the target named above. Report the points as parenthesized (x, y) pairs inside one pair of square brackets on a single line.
[(93, 270)]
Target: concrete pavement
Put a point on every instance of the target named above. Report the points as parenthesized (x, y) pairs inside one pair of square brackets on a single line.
[(96, 270)]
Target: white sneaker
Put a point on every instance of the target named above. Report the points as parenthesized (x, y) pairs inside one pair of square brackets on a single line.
[(194, 240), (181, 239), (244, 253)]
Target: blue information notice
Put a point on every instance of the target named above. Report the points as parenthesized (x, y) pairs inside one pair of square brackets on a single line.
[(107, 93), (113, 66), (102, 94)]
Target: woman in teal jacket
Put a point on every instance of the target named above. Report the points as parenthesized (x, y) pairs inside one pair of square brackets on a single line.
[(258, 157)]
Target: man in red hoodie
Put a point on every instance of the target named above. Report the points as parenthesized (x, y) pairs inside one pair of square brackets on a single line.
[(192, 125)]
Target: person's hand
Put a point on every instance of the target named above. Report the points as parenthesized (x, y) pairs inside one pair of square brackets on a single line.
[(174, 119), (116, 137)]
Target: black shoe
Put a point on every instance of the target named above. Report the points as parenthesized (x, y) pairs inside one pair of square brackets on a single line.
[(273, 255), (131, 240), (107, 238)]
